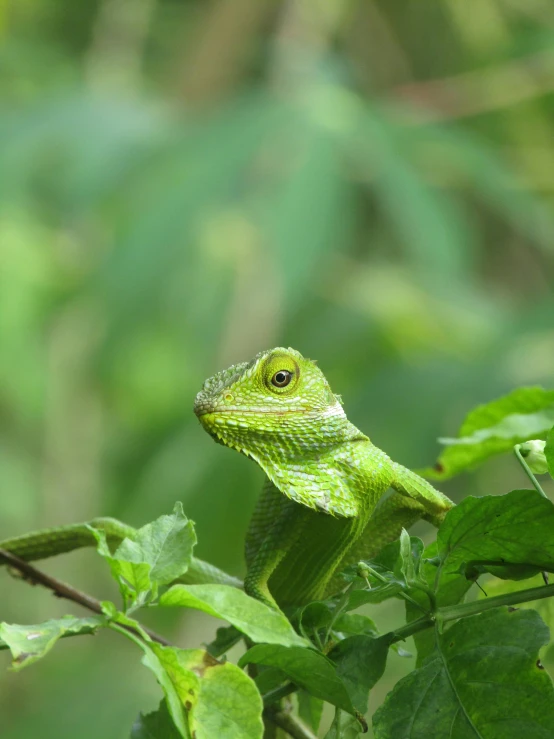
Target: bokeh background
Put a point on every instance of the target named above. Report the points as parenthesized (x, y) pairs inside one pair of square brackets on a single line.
[(186, 182)]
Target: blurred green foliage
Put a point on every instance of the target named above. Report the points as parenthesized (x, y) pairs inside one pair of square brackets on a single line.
[(185, 183)]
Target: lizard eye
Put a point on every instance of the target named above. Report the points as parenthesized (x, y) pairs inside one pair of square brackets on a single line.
[(281, 378)]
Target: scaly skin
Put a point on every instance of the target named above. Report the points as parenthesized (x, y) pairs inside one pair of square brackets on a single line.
[(51, 542), (321, 506)]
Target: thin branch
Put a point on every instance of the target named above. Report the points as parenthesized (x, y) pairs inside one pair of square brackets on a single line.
[(290, 724), (275, 695), (528, 472), (447, 613), (462, 610), (62, 590)]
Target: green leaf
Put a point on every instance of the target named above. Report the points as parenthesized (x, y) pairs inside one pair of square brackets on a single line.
[(158, 553), (360, 661), (155, 725), (29, 643), (248, 615), (549, 451), (220, 699), (225, 638), (409, 555), (134, 581), (483, 680), (228, 705), (348, 728), (449, 589), (307, 669), (133, 578), (355, 623), (532, 452), (513, 529), (361, 597), (493, 428), (407, 562), (268, 679), (396, 561), (173, 699), (399, 561), (166, 545), (314, 617), (400, 651)]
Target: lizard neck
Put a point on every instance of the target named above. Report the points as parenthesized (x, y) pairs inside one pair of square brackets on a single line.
[(337, 479)]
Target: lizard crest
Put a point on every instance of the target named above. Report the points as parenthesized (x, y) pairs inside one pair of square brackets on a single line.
[(279, 410)]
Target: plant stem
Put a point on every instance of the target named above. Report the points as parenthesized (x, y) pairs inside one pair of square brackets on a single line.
[(272, 696), (341, 605), (452, 613), (289, 723), (528, 472), (447, 613)]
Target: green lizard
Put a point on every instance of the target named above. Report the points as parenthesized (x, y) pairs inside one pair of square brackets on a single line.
[(322, 504)]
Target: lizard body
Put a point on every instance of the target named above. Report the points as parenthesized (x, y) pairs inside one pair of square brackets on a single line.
[(322, 505)]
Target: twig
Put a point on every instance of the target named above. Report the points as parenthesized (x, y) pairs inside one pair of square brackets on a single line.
[(272, 696), (528, 472), (290, 724), (62, 590), (462, 610)]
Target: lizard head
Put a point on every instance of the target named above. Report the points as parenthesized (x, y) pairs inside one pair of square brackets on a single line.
[(279, 410), (278, 393)]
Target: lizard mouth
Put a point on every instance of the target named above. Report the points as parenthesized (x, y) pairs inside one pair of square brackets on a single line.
[(214, 415), (214, 418), (240, 418), (250, 411), (204, 407)]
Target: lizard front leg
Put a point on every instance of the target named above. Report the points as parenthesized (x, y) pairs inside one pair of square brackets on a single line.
[(292, 551), (274, 530), (416, 499), (434, 503)]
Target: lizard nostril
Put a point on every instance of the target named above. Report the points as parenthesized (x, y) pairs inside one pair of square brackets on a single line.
[(229, 397)]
